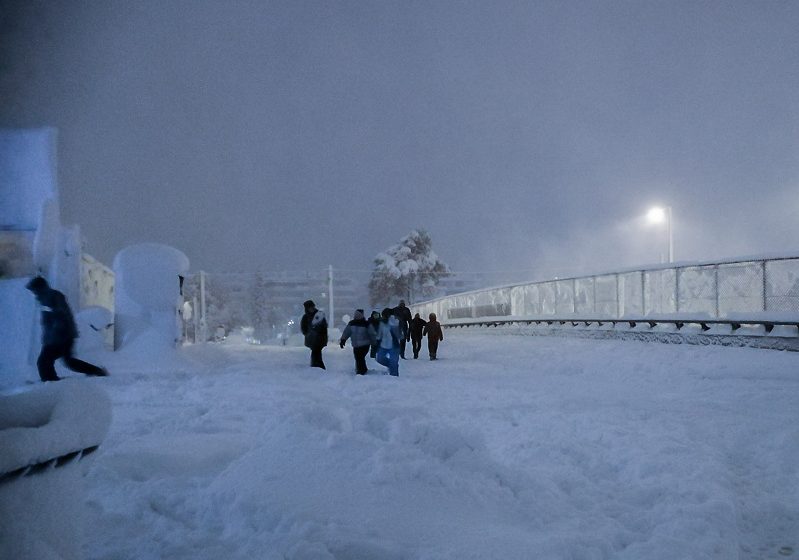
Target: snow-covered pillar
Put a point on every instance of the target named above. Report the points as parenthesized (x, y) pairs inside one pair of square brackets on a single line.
[(147, 291)]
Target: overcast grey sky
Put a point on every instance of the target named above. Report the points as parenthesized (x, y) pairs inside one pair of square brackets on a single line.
[(521, 135)]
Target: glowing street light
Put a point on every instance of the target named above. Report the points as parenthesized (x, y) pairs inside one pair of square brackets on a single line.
[(658, 215)]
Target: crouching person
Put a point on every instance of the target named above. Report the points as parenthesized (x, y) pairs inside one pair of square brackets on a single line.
[(361, 336)]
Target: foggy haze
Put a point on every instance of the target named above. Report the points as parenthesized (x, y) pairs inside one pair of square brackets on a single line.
[(524, 136)]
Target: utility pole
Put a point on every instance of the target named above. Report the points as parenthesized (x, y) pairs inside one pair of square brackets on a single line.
[(330, 294), (195, 317), (203, 323)]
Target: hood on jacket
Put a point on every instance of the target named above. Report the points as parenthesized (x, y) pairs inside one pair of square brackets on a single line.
[(37, 285), (318, 317)]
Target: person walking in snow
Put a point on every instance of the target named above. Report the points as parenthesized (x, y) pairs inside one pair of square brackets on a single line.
[(389, 336), (434, 335), (403, 314), (417, 332), (58, 333), (314, 326), (361, 335), (374, 322)]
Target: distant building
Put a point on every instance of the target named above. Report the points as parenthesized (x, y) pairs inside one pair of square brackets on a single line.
[(270, 301)]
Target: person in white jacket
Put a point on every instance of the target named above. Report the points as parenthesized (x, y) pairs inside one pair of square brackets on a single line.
[(361, 335), (389, 336)]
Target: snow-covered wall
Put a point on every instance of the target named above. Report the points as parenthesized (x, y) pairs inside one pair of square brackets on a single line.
[(147, 295), (27, 176), (19, 325)]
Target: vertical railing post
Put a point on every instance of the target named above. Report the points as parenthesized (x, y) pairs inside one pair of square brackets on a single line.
[(677, 289), (643, 293), (618, 298), (203, 321), (574, 295), (540, 299), (716, 283), (765, 284)]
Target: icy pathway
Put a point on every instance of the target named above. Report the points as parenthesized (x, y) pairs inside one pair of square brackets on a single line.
[(508, 447)]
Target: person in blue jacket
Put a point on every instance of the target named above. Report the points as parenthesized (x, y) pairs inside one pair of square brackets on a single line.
[(58, 333), (389, 335), (361, 335)]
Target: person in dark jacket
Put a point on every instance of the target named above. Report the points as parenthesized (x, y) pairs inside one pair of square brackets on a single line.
[(361, 336), (58, 333), (434, 335), (417, 332), (374, 322), (403, 314), (314, 326)]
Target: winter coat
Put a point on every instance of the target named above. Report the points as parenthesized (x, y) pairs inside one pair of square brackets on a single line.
[(433, 330), (360, 331), (389, 333), (404, 315), (58, 324), (314, 326), (417, 327), (375, 320)]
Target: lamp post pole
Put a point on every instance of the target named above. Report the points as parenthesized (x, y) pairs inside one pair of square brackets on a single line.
[(671, 236), (657, 215)]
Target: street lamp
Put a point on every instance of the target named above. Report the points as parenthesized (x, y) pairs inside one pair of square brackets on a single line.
[(658, 215)]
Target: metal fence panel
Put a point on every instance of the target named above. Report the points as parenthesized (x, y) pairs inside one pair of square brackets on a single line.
[(549, 298), (660, 289), (697, 291), (584, 296), (564, 293), (740, 288), (631, 294), (606, 301), (782, 285)]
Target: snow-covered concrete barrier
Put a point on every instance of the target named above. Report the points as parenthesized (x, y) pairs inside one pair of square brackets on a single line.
[(45, 433)]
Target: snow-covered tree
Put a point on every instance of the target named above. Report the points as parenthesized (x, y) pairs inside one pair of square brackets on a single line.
[(408, 270)]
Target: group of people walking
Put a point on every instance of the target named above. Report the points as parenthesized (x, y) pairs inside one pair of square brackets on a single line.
[(383, 335)]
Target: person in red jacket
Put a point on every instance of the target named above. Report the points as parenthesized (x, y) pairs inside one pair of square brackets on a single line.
[(432, 330)]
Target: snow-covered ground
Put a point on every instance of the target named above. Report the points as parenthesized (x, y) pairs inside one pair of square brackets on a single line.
[(508, 447)]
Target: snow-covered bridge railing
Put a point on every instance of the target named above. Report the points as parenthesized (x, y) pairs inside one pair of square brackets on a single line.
[(45, 431), (739, 297)]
